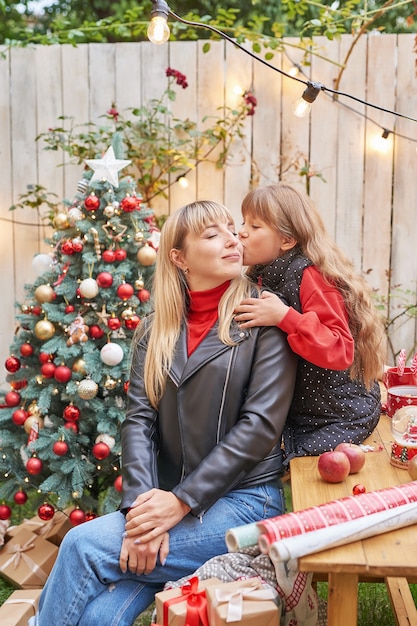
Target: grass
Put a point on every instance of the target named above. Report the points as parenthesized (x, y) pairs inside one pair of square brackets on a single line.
[(373, 601)]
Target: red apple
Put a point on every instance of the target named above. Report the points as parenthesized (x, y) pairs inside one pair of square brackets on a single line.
[(333, 466), (355, 454)]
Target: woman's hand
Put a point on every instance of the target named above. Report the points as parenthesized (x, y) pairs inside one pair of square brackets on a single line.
[(153, 513), (140, 558), (268, 310)]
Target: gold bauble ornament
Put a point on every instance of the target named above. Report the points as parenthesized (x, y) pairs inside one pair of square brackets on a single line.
[(44, 329), (146, 255), (139, 236), (110, 383), (61, 221), (139, 284), (30, 421), (33, 408), (44, 293), (87, 389), (79, 367), (127, 313)]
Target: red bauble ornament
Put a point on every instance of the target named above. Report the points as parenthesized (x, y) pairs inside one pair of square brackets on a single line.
[(26, 349), (114, 323), (358, 489), (60, 448), (71, 426), (34, 466), (125, 291), (62, 374), (104, 280), (121, 254), (92, 203), (70, 308), (100, 450), (48, 370), (12, 398), (77, 245), (118, 483), (144, 295), (71, 413), (20, 497), (129, 204), (12, 364), (19, 417), (44, 357), (126, 386), (36, 309), (46, 512), (77, 516), (89, 516), (67, 247), (108, 256), (5, 512), (95, 332), (132, 322)]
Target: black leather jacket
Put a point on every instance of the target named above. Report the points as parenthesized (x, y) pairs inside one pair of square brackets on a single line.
[(219, 423)]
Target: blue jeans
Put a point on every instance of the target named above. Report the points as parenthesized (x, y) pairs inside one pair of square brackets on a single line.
[(86, 586)]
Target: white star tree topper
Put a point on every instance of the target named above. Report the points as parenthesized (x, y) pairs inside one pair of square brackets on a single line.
[(107, 167)]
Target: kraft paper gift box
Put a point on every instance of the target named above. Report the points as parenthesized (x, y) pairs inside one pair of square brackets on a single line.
[(53, 530), (172, 605), (26, 560), (19, 607), (246, 602)]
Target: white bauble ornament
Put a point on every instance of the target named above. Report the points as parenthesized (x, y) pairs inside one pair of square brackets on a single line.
[(111, 353), (74, 215), (87, 389), (89, 288), (107, 439), (42, 263)]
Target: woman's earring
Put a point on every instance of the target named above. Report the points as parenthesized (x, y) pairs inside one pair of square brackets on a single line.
[(185, 270)]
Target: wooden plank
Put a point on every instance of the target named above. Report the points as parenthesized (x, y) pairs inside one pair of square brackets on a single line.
[(8, 261), (349, 200), (326, 114), (210, 94), (342, 607), (101, 69), (403, 257), (402, 602), (185, 106), (239, 67)]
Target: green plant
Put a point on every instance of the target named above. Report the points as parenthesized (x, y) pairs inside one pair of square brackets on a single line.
[(397, 308), (161, 146)]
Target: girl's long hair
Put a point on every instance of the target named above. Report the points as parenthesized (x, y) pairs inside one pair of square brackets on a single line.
[(170, 293), (293, 214)]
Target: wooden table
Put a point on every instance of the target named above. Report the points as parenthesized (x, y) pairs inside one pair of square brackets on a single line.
[(369, 560)]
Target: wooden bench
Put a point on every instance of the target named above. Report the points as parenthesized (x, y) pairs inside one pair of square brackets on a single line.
[(402, 602)]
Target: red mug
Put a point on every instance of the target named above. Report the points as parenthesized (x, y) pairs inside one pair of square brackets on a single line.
[(392, 378), (402, 395)]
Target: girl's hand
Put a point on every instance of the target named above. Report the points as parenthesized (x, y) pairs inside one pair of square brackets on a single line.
[(140, 558), (153, 513), (268, 310)]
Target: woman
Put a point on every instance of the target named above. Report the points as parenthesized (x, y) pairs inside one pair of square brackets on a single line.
[(207, 403), (327, 312)]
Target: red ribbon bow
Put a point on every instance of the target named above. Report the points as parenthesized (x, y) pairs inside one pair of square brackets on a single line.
[(196, 604)]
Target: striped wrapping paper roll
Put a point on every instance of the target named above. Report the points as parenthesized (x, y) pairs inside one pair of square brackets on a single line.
[(334, 512)]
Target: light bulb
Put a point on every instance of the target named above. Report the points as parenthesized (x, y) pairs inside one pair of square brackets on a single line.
[(301, 107), (183, 182), (158, 30)]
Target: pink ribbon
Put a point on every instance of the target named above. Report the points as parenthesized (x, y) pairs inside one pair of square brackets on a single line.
[(401, 359), (18, 553)]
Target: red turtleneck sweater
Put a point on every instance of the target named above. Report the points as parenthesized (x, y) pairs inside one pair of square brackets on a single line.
[(203, 313)]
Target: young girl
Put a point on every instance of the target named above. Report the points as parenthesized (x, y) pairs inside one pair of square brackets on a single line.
[(201, 440), (326, 310)]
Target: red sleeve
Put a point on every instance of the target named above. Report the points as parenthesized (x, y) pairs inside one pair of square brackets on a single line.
[(320, 334)]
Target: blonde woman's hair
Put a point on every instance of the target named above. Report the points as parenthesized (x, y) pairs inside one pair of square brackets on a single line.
[(292, 212), (170, 293)]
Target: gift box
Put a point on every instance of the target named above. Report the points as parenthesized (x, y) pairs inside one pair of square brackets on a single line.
[(19, 607), (184, 605), (247, 602), (27, 559), (53, 530)]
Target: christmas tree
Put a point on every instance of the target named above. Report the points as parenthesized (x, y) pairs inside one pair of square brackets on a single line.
[(68, 367)]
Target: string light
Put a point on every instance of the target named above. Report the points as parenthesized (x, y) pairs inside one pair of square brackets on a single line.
[(182, 181), (160, 34), (302, 106)]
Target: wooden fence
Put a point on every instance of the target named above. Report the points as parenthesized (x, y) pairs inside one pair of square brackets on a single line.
[(368, 199)]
